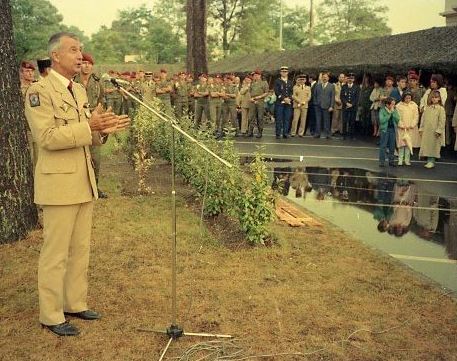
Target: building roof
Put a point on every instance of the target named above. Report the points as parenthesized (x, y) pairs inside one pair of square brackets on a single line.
[(433, 49)]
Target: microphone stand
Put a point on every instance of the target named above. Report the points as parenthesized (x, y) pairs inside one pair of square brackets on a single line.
[(174, 331)]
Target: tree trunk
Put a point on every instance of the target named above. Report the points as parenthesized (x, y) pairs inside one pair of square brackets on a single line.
[(197, 58), (18, 214)]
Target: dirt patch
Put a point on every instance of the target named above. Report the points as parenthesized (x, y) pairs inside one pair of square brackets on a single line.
[(317, 294)]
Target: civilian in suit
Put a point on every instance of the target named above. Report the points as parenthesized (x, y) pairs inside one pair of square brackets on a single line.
[(311, 116), (283, 90), (350, 94), (58, 113), (325, 102)]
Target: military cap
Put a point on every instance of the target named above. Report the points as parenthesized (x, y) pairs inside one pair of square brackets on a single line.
[(43, 64), (302, 76), (286, 68), (149, 73), (413, 75), (202, 75), (87, 57), (27, 65), (257, 71), (351, 75)]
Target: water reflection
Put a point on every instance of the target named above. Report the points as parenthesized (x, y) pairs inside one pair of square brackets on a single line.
[(398, 206)]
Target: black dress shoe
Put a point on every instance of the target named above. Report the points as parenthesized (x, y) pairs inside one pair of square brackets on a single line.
[(278, 137), (63, 329), (85, 315), (102, 194)]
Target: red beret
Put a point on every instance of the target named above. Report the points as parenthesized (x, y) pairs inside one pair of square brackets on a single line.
[(163, 70), (27, 65), (257, 71), (203, 76), (87, 57), (126, 73)]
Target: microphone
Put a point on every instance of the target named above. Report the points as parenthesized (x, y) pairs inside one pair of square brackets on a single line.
[(115, 82)]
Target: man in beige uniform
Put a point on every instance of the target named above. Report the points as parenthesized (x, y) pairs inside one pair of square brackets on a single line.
[(337, 116), (59, 117), (245, 103), (301, 96)]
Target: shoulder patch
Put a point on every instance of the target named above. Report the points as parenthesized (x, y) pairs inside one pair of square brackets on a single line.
[(96, 78), (34, 99)]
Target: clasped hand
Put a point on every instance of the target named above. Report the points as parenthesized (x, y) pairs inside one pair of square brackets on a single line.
[(106, 121)]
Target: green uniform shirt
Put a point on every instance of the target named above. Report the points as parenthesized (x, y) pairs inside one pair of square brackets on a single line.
[(94, 89), (161, 85), (201, 89), (182, 91), (258, 88), (215, 88), (231, 90), (108, 85)]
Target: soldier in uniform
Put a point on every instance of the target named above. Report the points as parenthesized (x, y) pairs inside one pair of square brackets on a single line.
[(44, 66), (245, 103), (27, 78), (258, 92), (59, 117), (417, 91), (301, 96), (95, 96), (148, 88), (181, 91), (229, 111), (163, 89), (27, 75), (201, 94), (215, 102), (113, 96), (350, 94), (190, 95)]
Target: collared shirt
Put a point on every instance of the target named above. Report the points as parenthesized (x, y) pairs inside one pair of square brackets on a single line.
[(61, 78)]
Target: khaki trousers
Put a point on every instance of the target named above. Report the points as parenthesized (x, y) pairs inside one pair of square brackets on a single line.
[(64, 260), (244, 120), (299, 114), (337, 121)]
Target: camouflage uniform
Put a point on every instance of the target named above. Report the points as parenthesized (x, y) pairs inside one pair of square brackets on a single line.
[(113, 99), (215, 104), (259, 89), (164, 97), (229, 107), (201, 104), (181, 90)]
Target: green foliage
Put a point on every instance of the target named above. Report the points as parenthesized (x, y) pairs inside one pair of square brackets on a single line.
[(34, 21), (247, 198), (138, 32), (340, 20)]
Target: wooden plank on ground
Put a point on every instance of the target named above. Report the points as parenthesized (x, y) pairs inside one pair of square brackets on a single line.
[(293, 216)]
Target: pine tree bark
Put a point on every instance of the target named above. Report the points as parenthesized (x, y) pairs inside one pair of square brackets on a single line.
[(196, 25), (18, 214)]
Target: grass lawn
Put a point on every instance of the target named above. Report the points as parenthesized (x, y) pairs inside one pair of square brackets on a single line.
[(316, 294)]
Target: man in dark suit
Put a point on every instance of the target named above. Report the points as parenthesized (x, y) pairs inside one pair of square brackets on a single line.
[(325, 100), (350, 94)]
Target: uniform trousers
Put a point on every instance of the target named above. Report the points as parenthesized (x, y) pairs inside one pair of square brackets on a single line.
[(349, 116), (215, 108), (229, 113), (244, 120), (96, 154), (283, 115), (256, 112), (200, 109), (337, 121), (64, 261), (299, 121)]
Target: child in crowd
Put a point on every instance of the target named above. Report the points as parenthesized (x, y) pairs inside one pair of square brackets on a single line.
[(388, 121), (432, 129), (407, 128)]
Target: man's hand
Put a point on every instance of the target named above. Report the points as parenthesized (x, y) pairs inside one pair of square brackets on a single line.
[(101, 120), (123, 122), (330, 109)]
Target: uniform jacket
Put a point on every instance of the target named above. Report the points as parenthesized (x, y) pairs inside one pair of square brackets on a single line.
[(325, 97), (350, 95), (301, 94), (64, 173), (95, 90), (283, 89), (245, 94), (338, 87)]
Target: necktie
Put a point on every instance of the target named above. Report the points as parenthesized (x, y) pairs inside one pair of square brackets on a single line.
[(70, 89)]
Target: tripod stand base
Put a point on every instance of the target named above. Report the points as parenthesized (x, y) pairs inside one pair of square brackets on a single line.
[(175, 332)]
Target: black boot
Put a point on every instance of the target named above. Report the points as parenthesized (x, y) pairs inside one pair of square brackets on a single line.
[(259, 134)]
